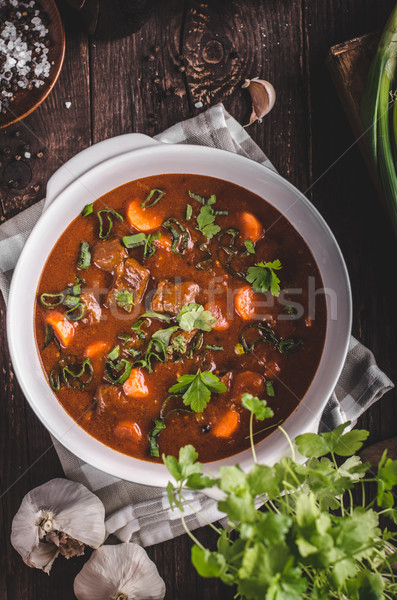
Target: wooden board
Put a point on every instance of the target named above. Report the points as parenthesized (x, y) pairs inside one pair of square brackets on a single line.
[(348, 64)]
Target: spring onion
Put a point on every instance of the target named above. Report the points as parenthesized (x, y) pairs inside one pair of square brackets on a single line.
[(52, 300), (148, 203), (105, 229), (179, 238), (118, 372), (379, 122)]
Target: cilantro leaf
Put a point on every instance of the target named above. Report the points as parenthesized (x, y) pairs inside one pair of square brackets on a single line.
[(196, 389), (125, 299), (258, 407), (193, 316), (263, 278), (178, 344)]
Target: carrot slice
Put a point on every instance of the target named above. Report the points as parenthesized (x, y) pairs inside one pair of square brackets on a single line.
[(144, 219), (135, 385), (63, 329), (97, 348), (128, 430), (164, 242), (221, 322), (244, 302), (227, 425), (251, 228)]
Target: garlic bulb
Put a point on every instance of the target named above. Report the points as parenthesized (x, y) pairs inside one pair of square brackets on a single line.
[(263, 96), (121, 572), (59, 517)]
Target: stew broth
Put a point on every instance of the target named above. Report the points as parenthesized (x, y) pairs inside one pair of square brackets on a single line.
[(251, 342)]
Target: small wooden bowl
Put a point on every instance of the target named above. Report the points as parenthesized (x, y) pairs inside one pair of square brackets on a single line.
[(26, 101)]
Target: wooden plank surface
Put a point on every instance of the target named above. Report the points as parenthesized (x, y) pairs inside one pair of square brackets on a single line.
[(187, 53)]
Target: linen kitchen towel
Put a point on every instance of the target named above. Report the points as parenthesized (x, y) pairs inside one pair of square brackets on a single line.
[(141, 513)]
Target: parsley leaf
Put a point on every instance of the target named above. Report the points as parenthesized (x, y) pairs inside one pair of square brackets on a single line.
[(337, 442), (124, 299), (196, 389), (205, 222), (263, 278), (193, 316), (258, 407)]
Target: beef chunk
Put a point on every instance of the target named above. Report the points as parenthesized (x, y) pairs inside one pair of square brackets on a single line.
[(109, 254), (170, 297), (93, 307), (130, 276), (107, 397)]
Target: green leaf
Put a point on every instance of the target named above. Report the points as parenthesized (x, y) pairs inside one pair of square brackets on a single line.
[(250, 246), (133, 241), (232, 479), (205, 222), (114, 354), (151, 314), (206, 563), (189, 212), (196, 389), (263, 278), (159, 426), (193, 316), (263, 479), (87, 210), (239, 507), (197, 395), (198, 481), (386, 480), (124, 299), (258, 407), (164, 336), (84, 259), (311, 444), (179, 344)]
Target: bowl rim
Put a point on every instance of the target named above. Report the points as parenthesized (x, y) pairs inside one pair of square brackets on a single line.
[(135, 469), (16, 119)]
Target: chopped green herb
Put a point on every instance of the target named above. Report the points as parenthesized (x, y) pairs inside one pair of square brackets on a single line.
[(250, 246), (151, 314), (196, 389), (179, 344), (263, 278), (153, 435), (77, 312), (270, 389), (52, 300), (124, 299), (290, 345), (202, 200), (49, 336), (118, 372), (72, 372), (164, 336), (150, 247), (205, 222), (71, 301), (114, 354), (189, 212), (148, 203), (193, 316), (104, 230), (84, 259), (211, 347), (133, 241), (179, 233), (87, 210)]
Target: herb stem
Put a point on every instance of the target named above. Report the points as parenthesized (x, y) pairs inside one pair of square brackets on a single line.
[(252, 438), (289, 442)]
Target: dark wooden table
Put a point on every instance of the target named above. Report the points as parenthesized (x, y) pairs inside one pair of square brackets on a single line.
[(204, 52)]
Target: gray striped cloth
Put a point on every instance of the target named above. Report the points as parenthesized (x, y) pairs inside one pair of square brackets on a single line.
[(140, 513)]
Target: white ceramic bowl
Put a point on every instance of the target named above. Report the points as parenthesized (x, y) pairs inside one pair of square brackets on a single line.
[(102, 168)]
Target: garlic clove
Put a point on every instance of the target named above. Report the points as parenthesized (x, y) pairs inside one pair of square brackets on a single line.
[(42, 557), (263, 97), (121, 572), (59, 517)]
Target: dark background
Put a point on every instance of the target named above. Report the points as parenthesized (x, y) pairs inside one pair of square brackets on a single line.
[(189, 52)]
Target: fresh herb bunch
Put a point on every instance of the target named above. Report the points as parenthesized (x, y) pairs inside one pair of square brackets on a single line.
[(310, 541)]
